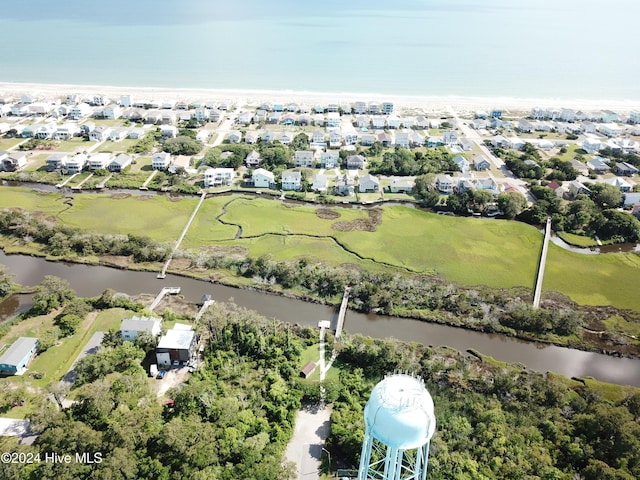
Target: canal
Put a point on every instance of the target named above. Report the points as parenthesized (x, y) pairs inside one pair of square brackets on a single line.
[(93, 280)]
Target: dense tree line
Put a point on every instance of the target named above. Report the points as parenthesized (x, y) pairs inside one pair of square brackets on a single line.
[(595, 215), (494, 422), (403, 162)]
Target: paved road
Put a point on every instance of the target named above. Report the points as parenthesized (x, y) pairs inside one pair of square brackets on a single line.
[(473, 135), (91, 347), (305, 448)]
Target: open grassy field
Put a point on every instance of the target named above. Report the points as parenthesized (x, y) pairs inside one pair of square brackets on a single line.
[(76, 144), (6, 143), (577, 240), (609, 279), (158, 217), (205, 229), (47, 203), (120, 146)]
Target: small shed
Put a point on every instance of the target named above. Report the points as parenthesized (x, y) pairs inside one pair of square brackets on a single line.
[(308, 369)]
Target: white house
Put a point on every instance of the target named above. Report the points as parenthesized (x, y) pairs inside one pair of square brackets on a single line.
[(303, 158), (111, 112), (317, 137), (203, 135), (402, 139), (253, 159), (262, 178), (619, 183), (46, 131), (320, 183), (444, 183), (66, 131), (76, 163), (368, 183), (161, 160), (335, 138), (168, 131), (215, 177), (291, 181), (100, 133), (591, 144), (99, 161), (401, 185), (131, 328), (118, 134)]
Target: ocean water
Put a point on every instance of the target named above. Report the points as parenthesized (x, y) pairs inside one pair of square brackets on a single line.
[(524, 48)]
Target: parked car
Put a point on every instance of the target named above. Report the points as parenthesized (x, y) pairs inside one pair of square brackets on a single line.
[(161, 374)]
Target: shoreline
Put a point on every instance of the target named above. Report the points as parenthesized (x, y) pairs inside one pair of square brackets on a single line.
[(251, 96)]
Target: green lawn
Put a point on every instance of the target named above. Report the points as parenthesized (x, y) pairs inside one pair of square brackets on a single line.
[(74, 145), (578, 240), (119, 147), (6, 143)]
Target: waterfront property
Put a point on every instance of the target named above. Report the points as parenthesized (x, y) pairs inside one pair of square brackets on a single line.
[(177, 345), (132, 327), (16, 359)]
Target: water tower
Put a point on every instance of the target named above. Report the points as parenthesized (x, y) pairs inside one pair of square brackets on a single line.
[(399, 421)]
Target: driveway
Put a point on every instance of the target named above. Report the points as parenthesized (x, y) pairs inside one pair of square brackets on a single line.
[(305, 448)]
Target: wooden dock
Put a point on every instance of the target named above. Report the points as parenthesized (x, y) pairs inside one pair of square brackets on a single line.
[(163, 292), (543, 261), (163, 273), (342, 313), (204, 307)]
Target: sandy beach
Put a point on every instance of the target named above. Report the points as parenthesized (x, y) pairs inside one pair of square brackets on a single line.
[(254, 97)]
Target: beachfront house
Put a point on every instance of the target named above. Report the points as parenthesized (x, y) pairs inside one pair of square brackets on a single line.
[(262, 178), (291, 181), (215, 177), (161, 160)]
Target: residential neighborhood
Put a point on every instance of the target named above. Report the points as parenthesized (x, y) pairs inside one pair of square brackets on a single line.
[(337, 149)]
